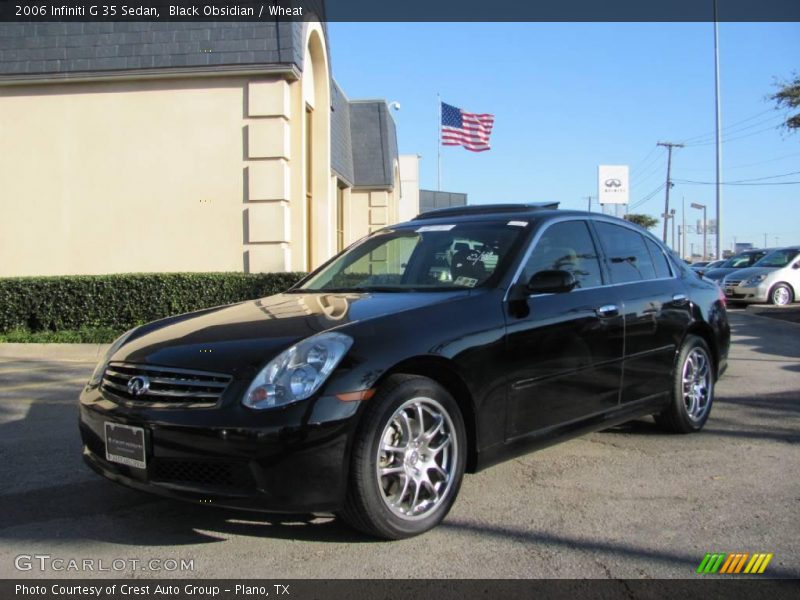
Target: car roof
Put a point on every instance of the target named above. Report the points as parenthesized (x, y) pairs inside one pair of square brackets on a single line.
[(754, 250), (485, 209), (513, 212)]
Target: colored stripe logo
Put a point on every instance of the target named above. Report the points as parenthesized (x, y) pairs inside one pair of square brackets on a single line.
[(734, 563)]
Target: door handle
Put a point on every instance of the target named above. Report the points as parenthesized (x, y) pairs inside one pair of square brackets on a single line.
[(679, 299), (608, 310)]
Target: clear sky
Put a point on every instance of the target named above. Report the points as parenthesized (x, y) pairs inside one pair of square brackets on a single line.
[(568, 97)]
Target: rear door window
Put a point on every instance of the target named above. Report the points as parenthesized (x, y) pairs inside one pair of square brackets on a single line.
[(626, 253), (660, 262)]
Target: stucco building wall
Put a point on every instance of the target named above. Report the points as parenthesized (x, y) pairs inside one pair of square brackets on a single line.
[(216, 168)]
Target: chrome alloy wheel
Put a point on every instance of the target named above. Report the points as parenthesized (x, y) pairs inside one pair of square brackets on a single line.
[(697, 383), (780, 296), (416, 458)]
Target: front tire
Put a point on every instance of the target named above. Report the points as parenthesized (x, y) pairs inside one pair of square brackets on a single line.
[(407, 461), (692, 390), (781, 295)]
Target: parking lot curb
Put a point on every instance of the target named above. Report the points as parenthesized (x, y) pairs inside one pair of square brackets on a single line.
[(65, 352)]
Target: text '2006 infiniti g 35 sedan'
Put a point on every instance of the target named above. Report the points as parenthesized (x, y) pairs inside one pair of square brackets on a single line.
[(428, 349)]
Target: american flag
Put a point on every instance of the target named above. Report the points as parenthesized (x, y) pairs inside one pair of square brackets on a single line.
[(462, 128)]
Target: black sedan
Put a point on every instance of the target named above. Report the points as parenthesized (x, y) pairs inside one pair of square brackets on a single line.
[(431, 348)]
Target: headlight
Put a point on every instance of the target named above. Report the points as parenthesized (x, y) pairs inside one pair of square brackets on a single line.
[(754, 281), (97, 375), (297, 373)]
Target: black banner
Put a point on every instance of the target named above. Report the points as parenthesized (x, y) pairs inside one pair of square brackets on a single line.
[(402, 10), (710, 588)]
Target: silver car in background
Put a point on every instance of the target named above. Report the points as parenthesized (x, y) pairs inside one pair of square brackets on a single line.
[(743, 260), (774, 279)]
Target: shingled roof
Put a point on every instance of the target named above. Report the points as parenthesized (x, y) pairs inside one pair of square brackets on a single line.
[(66, 50), (363, 135)]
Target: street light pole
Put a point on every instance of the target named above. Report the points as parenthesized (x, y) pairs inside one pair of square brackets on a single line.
[(672, 216), (702, 207), (683, 226), (719, 134)]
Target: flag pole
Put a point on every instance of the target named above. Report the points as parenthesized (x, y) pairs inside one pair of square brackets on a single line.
[(439, 143)]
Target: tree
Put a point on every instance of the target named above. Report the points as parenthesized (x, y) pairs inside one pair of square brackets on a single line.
[(645, 221), (788, 98)]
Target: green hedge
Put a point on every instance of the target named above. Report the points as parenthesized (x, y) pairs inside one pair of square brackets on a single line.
[(119, 302)]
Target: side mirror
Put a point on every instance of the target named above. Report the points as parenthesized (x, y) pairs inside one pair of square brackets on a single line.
[(796, 265), (551, 282)]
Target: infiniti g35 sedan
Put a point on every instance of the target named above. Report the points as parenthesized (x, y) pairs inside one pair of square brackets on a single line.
[(426, 350)]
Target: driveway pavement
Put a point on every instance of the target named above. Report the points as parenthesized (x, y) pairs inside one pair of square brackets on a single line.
[(629, 502)]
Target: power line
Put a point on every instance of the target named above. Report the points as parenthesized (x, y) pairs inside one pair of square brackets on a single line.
[(741, 181), (775, 119), (645, 164), (647, 198), (734, 124), (755, 164), (682, 182), (653, 168), (733, 139), (768, 177), (641, 162)]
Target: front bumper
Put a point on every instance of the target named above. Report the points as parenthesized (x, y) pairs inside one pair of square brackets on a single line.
[(287, 460), (740, 293)]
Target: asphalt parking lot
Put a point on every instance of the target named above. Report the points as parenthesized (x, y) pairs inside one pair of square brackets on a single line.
[(629, 502)]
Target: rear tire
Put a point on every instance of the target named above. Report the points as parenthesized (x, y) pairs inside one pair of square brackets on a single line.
[(781, 295), (407, 461), (692, 390)]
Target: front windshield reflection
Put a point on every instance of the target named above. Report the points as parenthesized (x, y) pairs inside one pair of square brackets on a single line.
[(427, 258)]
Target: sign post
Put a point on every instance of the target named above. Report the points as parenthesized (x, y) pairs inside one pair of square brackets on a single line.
[(613, 184)]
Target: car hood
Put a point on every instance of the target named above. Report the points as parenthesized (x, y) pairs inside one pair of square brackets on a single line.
[(718, 273), (747, 273), (240, 338)]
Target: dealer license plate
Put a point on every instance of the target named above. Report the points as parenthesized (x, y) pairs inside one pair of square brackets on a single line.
[(125, 445)]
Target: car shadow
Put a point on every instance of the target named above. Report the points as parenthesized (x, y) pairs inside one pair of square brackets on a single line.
[(103, 511), (49, 493)]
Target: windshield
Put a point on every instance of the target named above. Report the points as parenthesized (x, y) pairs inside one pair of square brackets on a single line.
[(777, 258), (741, 261), (427, 258)]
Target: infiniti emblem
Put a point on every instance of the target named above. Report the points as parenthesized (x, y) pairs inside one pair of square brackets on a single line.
[(138, 385)]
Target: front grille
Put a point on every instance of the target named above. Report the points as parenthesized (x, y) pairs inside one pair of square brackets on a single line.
[(222, 473), (732, 282), (164, 386)]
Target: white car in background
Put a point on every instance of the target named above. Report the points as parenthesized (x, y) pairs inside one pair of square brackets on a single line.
[(774, 279)]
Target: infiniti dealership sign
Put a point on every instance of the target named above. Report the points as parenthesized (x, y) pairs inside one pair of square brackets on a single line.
[(613, 184)]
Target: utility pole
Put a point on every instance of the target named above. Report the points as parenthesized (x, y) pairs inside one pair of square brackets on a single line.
[(765, 240), (669, 146), (589, 199), (681, 242)]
